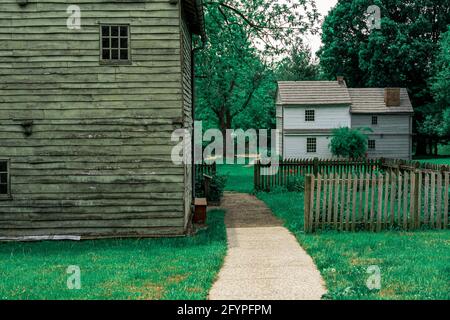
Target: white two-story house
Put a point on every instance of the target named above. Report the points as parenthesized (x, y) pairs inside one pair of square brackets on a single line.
[(308, 111)]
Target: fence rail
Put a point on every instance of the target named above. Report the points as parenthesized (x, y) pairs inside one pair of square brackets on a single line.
[(204, 168), (269, 176), (351, 202)]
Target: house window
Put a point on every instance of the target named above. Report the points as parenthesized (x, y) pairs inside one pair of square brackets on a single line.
[(4, 179), (309, 115), (115, 44), (311, 145), (371, 144), (374, 120)]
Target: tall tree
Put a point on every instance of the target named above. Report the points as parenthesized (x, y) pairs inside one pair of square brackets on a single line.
[(400, 53), (235, 83), (298, 66)]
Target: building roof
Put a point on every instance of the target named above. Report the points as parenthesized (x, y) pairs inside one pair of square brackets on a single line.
[(312, 92), (196, 17), (371, 100), (361, 100)]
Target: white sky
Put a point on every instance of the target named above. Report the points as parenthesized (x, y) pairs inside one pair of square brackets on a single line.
[(323, 6)]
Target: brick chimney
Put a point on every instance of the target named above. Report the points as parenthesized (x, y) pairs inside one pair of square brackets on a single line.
[(340, 80), (392, 97)]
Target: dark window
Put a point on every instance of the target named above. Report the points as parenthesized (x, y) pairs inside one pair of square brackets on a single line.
[(374, 120), (115, 44), (311, 145), (371, 144), (309, 115), (4, 178)]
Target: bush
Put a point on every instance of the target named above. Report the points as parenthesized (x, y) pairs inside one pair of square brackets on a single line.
[(295, 184), (216, 187), (349, 143)]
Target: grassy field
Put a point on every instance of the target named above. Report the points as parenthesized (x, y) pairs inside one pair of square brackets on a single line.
[(175, 268), (414, 265), (239, 177), (445, 161)]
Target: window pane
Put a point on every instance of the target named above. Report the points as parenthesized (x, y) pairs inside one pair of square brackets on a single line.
[(105, 31), (105, 42), (105, 55), (114, 54), (3, 189), (123, 54), (114, 31), (3, 166), (124, 31), (114, 42), (123, 43), (3, 178)]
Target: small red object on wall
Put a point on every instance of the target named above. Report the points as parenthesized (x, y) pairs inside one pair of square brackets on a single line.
[(200, 205)]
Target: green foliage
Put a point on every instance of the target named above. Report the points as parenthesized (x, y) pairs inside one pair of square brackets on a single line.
[(298, 66), (348, 143), (235, 84), (216, 187), (295, 184), (118, 269), (402, 53)]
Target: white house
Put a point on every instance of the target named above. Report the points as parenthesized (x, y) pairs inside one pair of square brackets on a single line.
[(308, 111)]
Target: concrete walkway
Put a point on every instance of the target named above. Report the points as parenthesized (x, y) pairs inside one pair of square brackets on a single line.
[(264, 260)]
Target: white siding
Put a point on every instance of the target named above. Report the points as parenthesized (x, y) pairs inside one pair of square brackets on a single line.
[(391, 146), (325, 117), (295, 147), (387, 123), (279, 128)]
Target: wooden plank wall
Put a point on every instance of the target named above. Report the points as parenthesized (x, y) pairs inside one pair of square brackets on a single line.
[(375, 202), (98, 160)]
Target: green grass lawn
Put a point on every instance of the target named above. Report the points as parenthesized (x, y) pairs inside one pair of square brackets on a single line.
[(239, 177), (173, 268), (445, 161), (414, 265)]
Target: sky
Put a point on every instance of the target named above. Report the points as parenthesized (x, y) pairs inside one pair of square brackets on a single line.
[(323, 6)]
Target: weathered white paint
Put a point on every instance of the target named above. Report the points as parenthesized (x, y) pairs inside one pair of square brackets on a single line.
[(326, 117), (295, 146), (391, 146)]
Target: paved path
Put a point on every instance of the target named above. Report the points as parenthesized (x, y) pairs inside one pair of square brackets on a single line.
[(264, 260)]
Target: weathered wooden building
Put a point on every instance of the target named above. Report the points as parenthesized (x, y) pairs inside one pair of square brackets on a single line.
[(308, 111), (86, 116)]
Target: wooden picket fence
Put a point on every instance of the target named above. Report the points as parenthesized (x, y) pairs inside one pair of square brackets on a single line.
[(350, 202), (205, 168), (266, 177)]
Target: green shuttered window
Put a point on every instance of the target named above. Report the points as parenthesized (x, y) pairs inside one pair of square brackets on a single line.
[(115, 44)]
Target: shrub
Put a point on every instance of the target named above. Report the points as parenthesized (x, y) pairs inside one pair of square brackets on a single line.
[(296, 184), (349, 143), (216, 187)]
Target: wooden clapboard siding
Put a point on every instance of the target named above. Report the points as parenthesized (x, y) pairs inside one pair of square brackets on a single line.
[(98, 161), (188, 120)]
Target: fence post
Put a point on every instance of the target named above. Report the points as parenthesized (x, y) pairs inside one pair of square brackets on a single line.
[(417, 186), (256, 175), (316, 166), (307, 201)]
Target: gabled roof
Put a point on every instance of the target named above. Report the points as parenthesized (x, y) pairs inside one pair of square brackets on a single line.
[(361, 100), (312, 93), (195, 15), (371, 100)]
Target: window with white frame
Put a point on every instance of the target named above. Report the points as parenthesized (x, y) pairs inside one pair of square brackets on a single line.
[(309, 115), (311, 145), (371, 144)]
